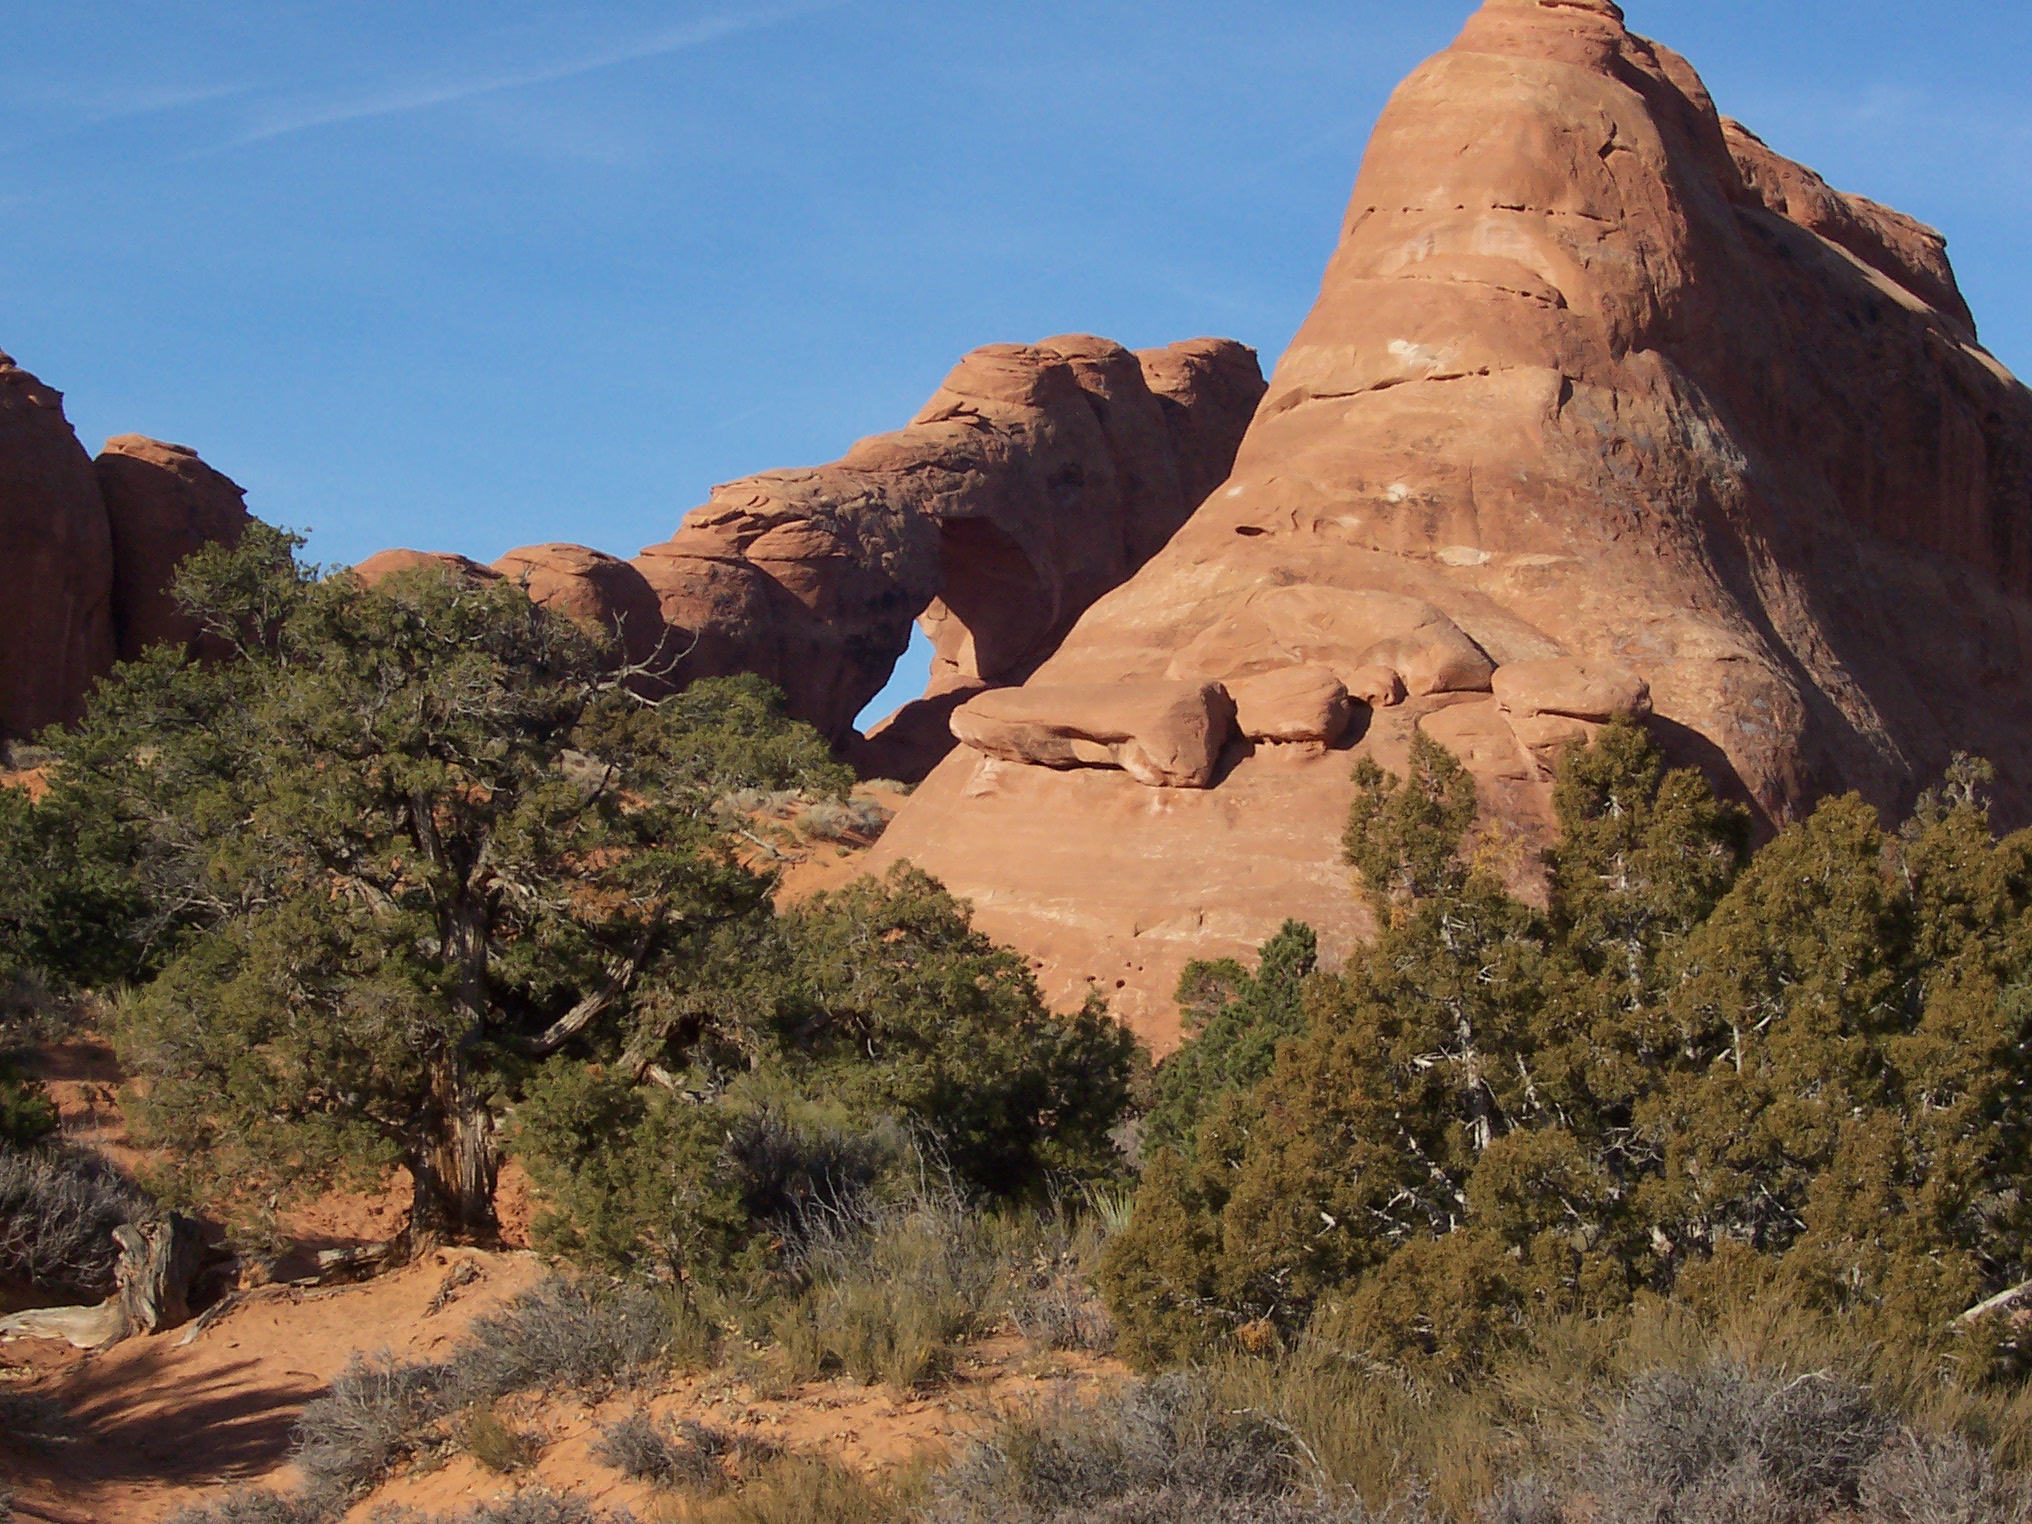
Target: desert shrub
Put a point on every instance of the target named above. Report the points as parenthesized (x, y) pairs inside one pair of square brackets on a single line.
[(375, 1412), (258, 1505), (824, 1052), (1928, 1479), (58, 1210), (687, 1455), (1721, 1437), (559, 1336), (1687, 1076), (1130, 1455), (26, 1113), (566, 1334)]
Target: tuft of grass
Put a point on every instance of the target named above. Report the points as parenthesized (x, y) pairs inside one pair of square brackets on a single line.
[(1053, 1300), (800, 1490), (258, 1505), (891, 1291), (490, 1441), (691, 1457)]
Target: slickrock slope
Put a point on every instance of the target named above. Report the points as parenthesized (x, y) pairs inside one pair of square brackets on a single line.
[(56, 622), (162, 503), (1036, 479), (1604, 407)]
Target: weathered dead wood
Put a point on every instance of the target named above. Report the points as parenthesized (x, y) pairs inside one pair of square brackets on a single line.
[(2016, 1300), (152, 1281), (158, 1263)]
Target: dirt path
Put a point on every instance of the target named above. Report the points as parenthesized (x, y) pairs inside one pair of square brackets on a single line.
[(160, 1422)]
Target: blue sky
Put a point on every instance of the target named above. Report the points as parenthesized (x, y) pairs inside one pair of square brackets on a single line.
[(467, 276)]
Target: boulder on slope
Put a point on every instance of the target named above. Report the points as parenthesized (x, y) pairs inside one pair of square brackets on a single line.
[(1163, 734), (600, 591)]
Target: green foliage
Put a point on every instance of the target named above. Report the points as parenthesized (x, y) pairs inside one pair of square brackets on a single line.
[(1686, 1076), (800, 1069), (1404, 835), (1233, 1023), (27, 1115), (409, 839)]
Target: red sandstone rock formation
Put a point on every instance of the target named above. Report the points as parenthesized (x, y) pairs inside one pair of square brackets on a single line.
[(1036, 479), (56, 622), (596, 589), (161, 503), (384, 564), (1604, 406)]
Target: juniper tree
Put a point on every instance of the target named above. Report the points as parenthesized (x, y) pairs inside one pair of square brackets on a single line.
[(1688, 1076), (407, 839), (1233, 1021)]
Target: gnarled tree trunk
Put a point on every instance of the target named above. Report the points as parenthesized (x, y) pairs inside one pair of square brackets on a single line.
[(455, 1162)]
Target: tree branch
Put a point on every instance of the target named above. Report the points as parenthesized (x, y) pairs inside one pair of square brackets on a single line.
[(590, 1009)]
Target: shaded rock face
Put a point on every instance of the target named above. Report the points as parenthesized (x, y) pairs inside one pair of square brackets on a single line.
[(1034, 481), (161, 503), (91, 548), (1604, 406), (56, 621)]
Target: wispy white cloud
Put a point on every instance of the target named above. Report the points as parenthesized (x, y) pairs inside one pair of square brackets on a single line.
[(401, 100)]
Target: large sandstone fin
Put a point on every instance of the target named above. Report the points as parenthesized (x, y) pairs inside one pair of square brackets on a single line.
[(1605, 406)]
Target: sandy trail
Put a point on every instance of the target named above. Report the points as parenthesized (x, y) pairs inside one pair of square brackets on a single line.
[(159, 1422)]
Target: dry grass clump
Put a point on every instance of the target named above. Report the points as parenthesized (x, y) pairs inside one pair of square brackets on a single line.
[(58, 1210), (890, 1290), (1160, 1449), (1054, 1303), (859, 818), (257, 1505), (490, 1440), (689, 1455), (800, 1490), (560, 1336)]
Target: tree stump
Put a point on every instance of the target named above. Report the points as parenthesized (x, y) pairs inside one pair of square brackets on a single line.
[(158, 1262)]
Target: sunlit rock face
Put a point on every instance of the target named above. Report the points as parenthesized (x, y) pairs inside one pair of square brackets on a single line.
[(1604, 407)]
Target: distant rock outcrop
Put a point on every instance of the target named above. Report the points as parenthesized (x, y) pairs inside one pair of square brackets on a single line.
[(1604, 407), (596, 589), (56, 621), (162, 503), (1035, 480)]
